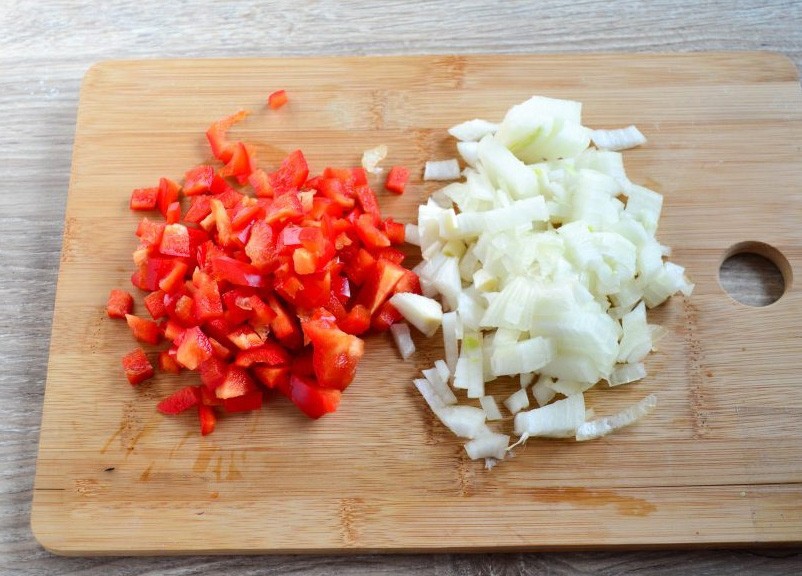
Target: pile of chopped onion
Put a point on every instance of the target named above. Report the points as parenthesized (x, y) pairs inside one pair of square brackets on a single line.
[(540, 265)]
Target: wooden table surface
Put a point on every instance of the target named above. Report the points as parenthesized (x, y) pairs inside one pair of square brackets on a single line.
[(45, 48)]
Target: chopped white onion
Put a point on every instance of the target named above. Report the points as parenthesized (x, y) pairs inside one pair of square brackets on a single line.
[(403, 339), (441, 170), (440, 386), (604, 426), (558, 420), (545, 259), (372, 157), (411, 234), (472, 130), (517, 401), (423, 313), (491, 445), (464, 421), (619, 139), (490, 407), (626, 373)]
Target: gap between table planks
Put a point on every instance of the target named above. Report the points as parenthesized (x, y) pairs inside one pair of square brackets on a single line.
[(719, 462)]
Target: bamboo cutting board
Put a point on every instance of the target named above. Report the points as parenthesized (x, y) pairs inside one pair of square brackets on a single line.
[(719, 462)]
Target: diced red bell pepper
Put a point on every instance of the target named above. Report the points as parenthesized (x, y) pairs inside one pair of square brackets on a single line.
[(207, 418), (335, 189), (277, 99), (285, 208), (285, 325), (385, 316), (219, 350), (150, 232), (313, 400), (246, 215), (244, 403), (208, 398), (175, 241), (137, 367), (291, 174), (268, 353), (357, 321), (119, 303), (262, 314), (379, 286), (174, 279), (271, 376), (236, 383), (261, 246), (180, 400), (410, 282), (390, 253), (222, 148), (397, 179), (182, 309), (212, 372), (144, 198), (241, 164), (207, 301), (369, 233), (193, 348), (260, 182), (144, 330), (172, 329), (245, 337), (173, 213), (168, 363), (167, 195), (335, 353), (237, 272), (370, 205), (395, 231), (360, 266), (199, 208), (154, 302), (198, 180)]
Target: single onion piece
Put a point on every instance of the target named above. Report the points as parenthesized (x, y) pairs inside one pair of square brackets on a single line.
[(517, 401), (403, 339), (626, 373), (491, 445), (423, 313), (603, 426), (372, 157), (441, 170), (490, 407), (473, 130), (440, 386), (620, 139), (411, 234)]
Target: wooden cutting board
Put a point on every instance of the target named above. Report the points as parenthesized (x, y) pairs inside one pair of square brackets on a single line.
[(719, 462)]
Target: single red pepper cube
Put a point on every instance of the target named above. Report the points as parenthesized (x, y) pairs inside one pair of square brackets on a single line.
[(277, 99), (180, 400), (143, 329), (198, 180), (208, 419), (119, 303), (168, 194), (154, 302), (144, 198), (236, 383), (397, 179), (137, 367), (193, 348), (168, 363), (175, 241), (313, 400), (244, 403)]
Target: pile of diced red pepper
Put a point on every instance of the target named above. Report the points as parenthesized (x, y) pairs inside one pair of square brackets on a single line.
[(261, 292)]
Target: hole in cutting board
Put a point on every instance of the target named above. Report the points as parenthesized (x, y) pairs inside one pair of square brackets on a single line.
[(755, 274)]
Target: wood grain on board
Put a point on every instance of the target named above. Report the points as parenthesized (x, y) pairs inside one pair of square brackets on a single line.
[(719, 462)]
